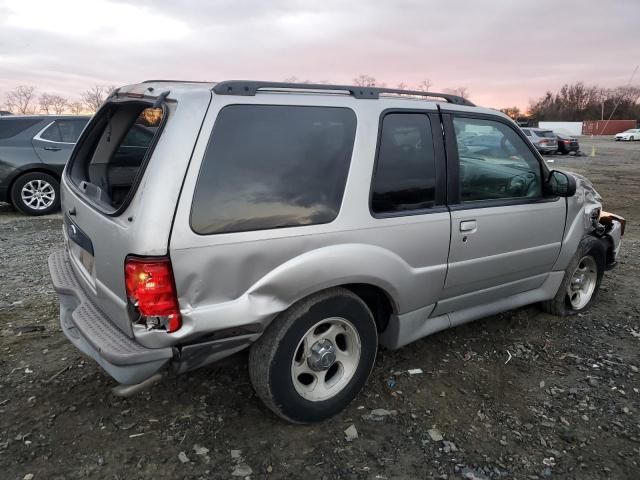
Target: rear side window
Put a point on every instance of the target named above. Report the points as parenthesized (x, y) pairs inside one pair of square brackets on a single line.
[(270, 166), (66, 131), (110, 158), (404, 177), (10, 127), (496, 163)]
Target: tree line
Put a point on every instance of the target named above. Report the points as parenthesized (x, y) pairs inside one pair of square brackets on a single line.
[(578, 102), (25, 100), (573, 102)]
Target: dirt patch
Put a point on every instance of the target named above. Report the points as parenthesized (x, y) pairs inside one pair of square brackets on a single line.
[(518, 395)]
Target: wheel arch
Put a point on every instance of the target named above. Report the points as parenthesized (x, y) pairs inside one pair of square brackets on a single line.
[(34, 168)]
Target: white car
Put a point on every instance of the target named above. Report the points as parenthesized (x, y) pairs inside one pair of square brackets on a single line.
[(631, 134)]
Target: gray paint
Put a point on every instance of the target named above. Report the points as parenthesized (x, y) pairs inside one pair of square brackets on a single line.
[(514, 256)]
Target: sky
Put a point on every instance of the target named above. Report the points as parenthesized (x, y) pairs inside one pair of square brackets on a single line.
[(505, 52)]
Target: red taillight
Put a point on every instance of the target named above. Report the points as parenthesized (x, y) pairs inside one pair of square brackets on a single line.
[(151, 289)]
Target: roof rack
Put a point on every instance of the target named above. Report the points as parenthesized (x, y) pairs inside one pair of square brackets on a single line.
[(251, 87), (174, 81)]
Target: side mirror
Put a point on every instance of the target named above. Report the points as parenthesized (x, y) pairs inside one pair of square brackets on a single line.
[(561, 184)]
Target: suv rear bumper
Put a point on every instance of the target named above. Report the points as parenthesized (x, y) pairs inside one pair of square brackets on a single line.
[(95, 335)]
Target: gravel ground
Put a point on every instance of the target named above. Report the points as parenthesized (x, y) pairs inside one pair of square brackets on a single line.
[(522, 395)]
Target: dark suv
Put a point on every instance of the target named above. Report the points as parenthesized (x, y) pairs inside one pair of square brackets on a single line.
[(33, 153)]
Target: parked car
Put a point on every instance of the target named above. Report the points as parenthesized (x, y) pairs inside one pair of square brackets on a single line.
[(33, 152), (309, 223), (5, 113), (629, 135), (544, 140), (567, 144)]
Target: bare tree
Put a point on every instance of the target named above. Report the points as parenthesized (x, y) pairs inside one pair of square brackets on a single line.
[(95, 96), (52, 104), (578, 102), (460, 91), (76, 108), (402, 86), (21, 99), (513, 112), (364, 81), (45, 102), (59, 104), (425, 85)]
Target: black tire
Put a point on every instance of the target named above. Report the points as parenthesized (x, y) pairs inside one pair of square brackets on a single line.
[(48, 182), (561, 305), (271, 356)]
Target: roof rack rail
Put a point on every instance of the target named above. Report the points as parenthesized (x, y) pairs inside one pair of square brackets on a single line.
[(251, 87), (174, 81)]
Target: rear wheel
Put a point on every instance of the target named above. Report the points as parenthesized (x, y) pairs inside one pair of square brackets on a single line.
[(315, 357), (581, 281), (36, 193)]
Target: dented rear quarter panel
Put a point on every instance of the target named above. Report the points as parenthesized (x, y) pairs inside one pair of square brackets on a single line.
[(246, 278)]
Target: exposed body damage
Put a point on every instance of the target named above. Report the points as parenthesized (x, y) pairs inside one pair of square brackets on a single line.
[(586, 217)]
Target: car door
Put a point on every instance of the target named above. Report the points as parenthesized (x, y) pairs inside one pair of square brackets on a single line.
[(506, 234), (54, 143)]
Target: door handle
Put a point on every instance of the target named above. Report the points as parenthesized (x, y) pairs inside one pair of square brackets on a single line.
[(52, 149), (468, 226)]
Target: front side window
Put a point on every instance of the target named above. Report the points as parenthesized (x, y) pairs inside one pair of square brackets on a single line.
[(495, 163), (404, 177), (66, 131), (272, 166)]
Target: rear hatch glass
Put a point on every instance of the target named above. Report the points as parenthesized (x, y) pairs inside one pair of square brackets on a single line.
[(547, 134), (111, 155)]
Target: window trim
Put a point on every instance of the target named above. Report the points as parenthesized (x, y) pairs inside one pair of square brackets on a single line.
[(38, 136), (454, 197), (89, 131), (440, 195), (204, 156)]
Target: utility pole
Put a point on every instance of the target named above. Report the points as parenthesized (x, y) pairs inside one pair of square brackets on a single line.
[(602, 117)]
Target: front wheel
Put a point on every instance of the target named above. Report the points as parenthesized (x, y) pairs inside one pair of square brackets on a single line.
[(315, 357), (581, 281), (36, 193)]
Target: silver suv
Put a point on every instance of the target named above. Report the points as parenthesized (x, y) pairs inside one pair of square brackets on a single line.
[(310, 223)]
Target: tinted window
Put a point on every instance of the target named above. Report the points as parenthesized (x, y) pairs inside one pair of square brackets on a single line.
[(66, 131), (272, 166), (404, 177), (495, 163), (138, 136), (10, 127), (527, 132), (546, 134)]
